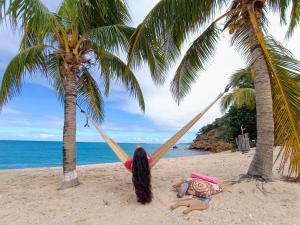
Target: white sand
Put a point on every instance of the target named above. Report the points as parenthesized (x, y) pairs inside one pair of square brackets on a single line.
[(106, 196)]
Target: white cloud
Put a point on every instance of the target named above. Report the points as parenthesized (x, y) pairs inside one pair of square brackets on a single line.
[(8, 40), (47, 136), (33, 122), (128, 127), (161, 107), (10, 111)]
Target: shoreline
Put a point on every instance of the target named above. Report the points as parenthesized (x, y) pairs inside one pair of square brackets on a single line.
[(39, 155), (32, 169), (102, 142), (100, 159), (106, 191), (96, 165)]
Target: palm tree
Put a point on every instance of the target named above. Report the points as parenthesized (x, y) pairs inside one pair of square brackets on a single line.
[(171, 22), (64, 46), (243, 93)]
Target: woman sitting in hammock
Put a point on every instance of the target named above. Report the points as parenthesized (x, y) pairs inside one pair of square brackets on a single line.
[(140, 163), (141, 174)]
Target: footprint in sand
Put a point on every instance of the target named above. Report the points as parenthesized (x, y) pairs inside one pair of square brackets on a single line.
[(106, 203)]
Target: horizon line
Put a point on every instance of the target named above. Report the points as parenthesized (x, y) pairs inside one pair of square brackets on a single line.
[(94, 141)]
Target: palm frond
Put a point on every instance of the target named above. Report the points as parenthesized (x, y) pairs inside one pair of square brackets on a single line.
[(194, 60), (176, 17), (286, 105), (106, 78), (33, 14), (83, 15), (243, 92), (281, 7), (30, 61), (114, 68), (89, 96), (242, 78), (144, 47), (69, 12), (2, 9), (53, 65), (111, 38), (294, 18), (113, 12), (30, 39), (241, 41), (117, 12), (282, 57), (240, 97)]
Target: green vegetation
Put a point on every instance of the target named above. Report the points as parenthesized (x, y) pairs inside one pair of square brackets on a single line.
[(231, 123), (240, 118), (218, 123)]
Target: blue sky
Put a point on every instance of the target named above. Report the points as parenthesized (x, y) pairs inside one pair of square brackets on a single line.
[(37, 114)]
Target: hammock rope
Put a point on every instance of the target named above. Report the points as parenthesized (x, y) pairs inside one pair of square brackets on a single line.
[(162, 150), (122, 155)]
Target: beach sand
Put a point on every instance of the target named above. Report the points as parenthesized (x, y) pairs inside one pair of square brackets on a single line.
[(106, 196)]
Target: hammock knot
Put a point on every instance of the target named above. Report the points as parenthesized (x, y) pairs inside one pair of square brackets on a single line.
[(87, 123)]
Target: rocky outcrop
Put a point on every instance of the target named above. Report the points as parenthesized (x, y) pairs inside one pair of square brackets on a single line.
[(211, 141)]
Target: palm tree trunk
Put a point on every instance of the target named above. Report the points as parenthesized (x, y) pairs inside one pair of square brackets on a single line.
[(262, 163), (69, 136)]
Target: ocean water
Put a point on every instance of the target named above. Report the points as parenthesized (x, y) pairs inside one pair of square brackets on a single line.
[(32, 154)]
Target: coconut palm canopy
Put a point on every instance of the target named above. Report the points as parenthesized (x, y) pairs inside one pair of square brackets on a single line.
[(65, 46), (242, 81), (88, 34), (171, 22)]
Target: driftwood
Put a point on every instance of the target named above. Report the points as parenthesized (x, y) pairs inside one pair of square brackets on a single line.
[(242, 141)]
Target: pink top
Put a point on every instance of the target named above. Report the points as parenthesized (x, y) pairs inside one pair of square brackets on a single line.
[(128, 163)]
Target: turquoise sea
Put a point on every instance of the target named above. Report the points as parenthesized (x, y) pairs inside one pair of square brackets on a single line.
[(31, 154)]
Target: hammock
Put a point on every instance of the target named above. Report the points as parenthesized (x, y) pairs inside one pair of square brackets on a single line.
[(162, 150)]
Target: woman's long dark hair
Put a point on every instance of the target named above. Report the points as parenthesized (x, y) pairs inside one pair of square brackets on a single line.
[(141, 176)]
